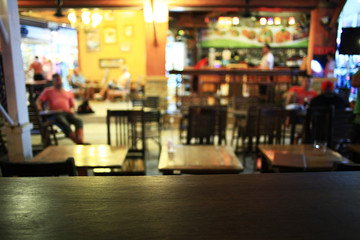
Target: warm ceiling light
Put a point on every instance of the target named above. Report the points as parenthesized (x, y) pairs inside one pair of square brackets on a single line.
[(161, 11), (156, 10), (221, 20), (277, 21), (263, 21), (270, 21), (96, 19), (236, 21), (72, 17), (228, 20), (85, 16), (291, 20)]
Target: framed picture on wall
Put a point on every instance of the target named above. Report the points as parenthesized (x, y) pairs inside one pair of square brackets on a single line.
[(93, 40), (111, 62), (110, 35), (125, 47), (129, 31)]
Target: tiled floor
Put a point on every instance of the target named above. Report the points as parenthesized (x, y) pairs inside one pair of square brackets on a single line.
[(95, 133)]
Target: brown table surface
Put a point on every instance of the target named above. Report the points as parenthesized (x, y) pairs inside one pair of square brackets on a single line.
[(199, 159), (291, 156), (85, 156), (287, 206)]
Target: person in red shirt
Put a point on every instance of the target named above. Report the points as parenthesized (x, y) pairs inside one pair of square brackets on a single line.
[(300, 94), (59, 99), (203, 62)]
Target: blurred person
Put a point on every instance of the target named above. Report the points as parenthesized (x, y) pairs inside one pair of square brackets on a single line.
[(59, 99), (36, 66), (267, 60), (300, 94), (122, 83), (267, 63), (330, 66), (77, 81), (328, 97), (203, 62)]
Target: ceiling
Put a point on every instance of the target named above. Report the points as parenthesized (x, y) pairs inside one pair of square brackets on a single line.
[(45, 9)]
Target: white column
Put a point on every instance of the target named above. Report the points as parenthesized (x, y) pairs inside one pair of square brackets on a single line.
[(18, 136)]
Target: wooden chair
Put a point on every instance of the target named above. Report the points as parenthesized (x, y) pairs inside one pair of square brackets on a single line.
[(201, 127), (242, 103), (123, 130), (186, 103), (342, 131), (274, 126), (318, 125), (42, 127), (246, 131), (152, 102), (40, 169)]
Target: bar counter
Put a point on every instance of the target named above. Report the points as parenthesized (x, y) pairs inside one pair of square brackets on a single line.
[(238, 71), (267, 206)]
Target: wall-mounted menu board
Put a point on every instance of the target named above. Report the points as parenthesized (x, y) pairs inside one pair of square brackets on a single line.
[(247, 37)]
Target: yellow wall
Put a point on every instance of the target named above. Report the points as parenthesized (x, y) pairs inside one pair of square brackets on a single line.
[(135, 58)]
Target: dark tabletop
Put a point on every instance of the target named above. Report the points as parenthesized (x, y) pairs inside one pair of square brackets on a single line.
[(267, 206)]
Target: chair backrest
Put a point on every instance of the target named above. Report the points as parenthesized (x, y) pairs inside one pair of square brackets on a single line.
[(318, 125), (187, 101), (244, 102), (35, 119), (38, 169), (202, 125), (272, 125), (151, 102), (125, 128), (342, 127)]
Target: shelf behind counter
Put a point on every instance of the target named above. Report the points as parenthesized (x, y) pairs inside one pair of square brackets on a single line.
[(237, 78)]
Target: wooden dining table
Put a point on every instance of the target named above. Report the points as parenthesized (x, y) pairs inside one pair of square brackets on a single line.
[(85, 156), (248, 206), (300, 157), (199, 159)]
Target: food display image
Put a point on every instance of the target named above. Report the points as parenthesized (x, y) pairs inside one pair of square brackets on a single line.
[(234, 33), (247, 37), (250, 34), (265, 36), (282, 36)]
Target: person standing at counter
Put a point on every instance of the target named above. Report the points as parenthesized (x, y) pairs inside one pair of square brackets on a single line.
[(267, 60), (267, 63), (38, 69), (203, 62), (330, 66)]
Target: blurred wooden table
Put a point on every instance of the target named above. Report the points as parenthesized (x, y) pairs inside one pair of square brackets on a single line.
[(302, 157), (199, 159), (250, 206), (85, 156)]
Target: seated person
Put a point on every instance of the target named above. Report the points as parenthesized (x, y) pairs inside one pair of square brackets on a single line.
[(59, 99), (300, 95), (328, 97), (77, 81), (122, 83)]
